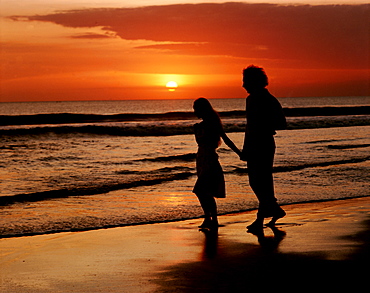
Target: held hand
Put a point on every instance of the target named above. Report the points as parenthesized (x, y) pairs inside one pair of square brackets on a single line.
[(243, 156)]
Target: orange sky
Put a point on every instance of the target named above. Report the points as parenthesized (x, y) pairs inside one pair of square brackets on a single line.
[(97, 53)]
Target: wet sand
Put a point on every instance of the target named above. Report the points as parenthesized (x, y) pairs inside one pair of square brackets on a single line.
[(321, 246)]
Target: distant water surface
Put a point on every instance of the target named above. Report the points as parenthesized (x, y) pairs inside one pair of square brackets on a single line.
[(163, 106)]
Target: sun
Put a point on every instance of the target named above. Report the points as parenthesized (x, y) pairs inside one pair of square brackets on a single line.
[(171, 85)]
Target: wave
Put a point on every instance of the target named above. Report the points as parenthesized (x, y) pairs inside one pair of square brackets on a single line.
[(280, 169), (67, 118), (177, 127), (115, 130), (94, 223), (79, 224), (154, 177), (327, 111), (348, 146), (184, 158), (158, 177), (165, 170), (70, 118)]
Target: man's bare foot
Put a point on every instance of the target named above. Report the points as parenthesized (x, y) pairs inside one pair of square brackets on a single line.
[(280, 214), (256, 227)]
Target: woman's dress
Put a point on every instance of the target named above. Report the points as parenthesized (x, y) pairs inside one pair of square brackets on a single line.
[(211, 181)]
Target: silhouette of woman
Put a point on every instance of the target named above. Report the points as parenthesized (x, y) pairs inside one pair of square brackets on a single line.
[(210, 182)]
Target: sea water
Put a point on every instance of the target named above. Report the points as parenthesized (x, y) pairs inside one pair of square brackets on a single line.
[(89, 165)]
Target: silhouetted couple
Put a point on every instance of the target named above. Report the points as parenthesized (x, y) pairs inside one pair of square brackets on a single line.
[(264, 115)]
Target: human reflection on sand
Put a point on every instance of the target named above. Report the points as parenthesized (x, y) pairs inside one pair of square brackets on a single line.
[(269, 241), (210, 244)]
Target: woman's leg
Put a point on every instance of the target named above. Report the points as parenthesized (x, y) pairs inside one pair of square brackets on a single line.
[(209, 207)]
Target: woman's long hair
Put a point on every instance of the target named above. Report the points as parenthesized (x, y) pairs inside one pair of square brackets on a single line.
[(203, 109)]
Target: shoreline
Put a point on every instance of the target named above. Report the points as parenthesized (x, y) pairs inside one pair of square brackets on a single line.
[(317, 245), (251, 210)]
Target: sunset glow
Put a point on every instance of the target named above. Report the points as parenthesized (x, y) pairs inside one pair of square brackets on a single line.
[(72, 50)]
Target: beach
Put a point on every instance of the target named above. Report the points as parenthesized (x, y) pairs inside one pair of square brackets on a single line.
[(321, 245), (100, 199)]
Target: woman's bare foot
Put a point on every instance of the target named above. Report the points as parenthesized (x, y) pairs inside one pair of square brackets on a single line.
[(209, 224), (206, 223)]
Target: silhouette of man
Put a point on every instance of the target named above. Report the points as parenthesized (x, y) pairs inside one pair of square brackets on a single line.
[(264, 115)]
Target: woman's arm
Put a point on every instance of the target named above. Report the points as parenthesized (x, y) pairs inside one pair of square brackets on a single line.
[(229, 143)]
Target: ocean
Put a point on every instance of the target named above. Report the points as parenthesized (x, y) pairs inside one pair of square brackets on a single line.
[(73, 166)]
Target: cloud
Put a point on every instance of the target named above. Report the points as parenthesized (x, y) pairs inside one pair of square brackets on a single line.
[(330, 36), (92, 36), (307, 50)]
